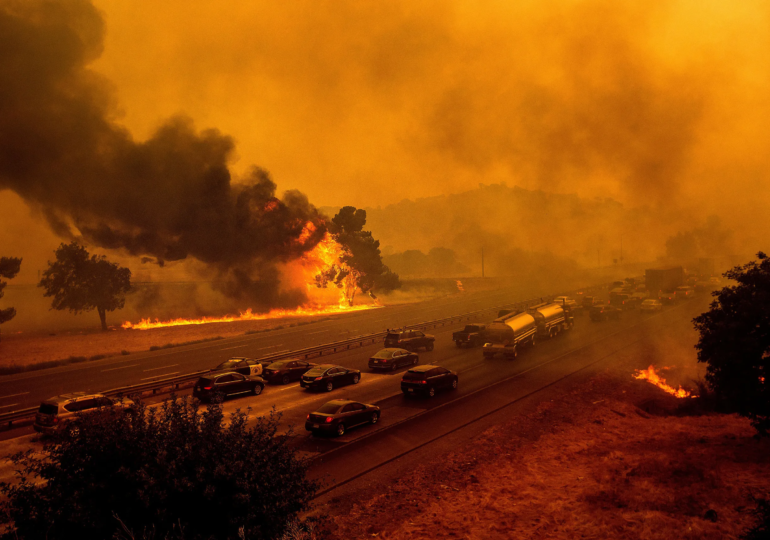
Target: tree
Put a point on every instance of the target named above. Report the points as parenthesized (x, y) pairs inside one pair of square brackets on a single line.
[(363, 256), (735, 342), (156, 472), (9, 267), (82, 282)]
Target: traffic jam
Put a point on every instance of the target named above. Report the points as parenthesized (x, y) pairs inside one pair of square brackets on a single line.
[(508, 335)]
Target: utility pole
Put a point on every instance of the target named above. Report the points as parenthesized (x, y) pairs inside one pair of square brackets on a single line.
[(621, 249), (482, 262)]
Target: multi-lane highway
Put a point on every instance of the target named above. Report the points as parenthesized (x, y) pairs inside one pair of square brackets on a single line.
[(28, 389)]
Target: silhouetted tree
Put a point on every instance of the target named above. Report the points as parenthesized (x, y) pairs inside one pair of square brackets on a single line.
[(81, 282), (157, 472), (735, 342), (9, 267), (364, 257)]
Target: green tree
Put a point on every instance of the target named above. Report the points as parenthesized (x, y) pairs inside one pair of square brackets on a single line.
[(735, 342), (159, 471), (363, 255), (79, 282), (9, 267)]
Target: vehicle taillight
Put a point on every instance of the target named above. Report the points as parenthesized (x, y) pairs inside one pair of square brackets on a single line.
[(318, 378), (308, 417), (55, 419), (207, 387), (329, 419)]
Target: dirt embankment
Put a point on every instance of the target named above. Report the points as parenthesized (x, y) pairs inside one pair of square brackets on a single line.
[(613, 459)]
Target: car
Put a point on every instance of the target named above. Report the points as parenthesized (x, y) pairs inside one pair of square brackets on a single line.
[(684, 292), (409, 339), (590, 301), (650, 304), (60, 412), (340, 415), (328, 377), (667, 297), (239, 364), (715, 281), (285, 371), (391, 359), (569, 302), (604, 312), (218, 386), (428, 380)]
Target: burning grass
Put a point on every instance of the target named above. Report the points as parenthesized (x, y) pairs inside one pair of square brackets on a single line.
[(590, 464)]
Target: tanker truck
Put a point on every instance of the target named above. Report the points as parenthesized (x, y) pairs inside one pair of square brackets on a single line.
[(551, 319), (506, 334)]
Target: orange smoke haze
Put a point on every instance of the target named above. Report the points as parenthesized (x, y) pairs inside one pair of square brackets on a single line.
[(659, 104)]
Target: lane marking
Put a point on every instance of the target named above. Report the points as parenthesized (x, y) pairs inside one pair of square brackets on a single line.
[(14, 395), (236, 347), (156, 376), (122, 367), (164, 367), (270, 347), (319, 332), (11, 405)]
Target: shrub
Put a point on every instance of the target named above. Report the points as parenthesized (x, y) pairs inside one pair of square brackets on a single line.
[(167, 469)]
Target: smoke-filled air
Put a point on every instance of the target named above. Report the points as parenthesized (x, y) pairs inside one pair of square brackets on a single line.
[(212, 142)]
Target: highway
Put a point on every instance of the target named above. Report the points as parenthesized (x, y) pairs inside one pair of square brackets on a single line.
[(486, 387), (28, 389)]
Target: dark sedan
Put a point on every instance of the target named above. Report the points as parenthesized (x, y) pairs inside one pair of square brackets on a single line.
[(409, 339), (328, 377), (285, 371), (216, 387), (239, 364), (603, 312), (391, 359), (428, 380), (340, 415)]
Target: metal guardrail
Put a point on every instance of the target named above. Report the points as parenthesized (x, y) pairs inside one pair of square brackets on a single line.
[(175, 383)]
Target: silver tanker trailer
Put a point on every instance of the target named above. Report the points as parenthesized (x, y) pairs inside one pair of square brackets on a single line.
[(551, 319), (507, 333)]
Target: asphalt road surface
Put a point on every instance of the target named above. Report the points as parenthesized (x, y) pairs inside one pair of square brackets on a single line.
[(25, 390)]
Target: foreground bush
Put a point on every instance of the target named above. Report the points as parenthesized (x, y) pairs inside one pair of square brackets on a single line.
[(159, 471)]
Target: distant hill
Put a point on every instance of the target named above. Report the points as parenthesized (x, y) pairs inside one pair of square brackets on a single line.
[(512, 223)]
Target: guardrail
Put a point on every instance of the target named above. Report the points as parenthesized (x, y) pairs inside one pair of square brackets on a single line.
[(173, 384)]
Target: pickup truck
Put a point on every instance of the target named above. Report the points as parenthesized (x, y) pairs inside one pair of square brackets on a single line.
[(472, 335)]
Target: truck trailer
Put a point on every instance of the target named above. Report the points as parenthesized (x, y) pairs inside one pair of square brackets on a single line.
[(506, 334), (660, 281)]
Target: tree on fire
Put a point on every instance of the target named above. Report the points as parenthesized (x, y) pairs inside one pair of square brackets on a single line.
[(173, 471), (735, 342), (81, 282), (363, 253), (9, 267)]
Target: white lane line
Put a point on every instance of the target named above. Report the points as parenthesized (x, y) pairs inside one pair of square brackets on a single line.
[(237, 347), (11, 405), (270, 347), (319, 332), (157, 368), (14, 395), (121, 367), (156, 376)]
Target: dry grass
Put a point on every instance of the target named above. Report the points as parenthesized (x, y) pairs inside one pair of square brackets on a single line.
[(590, 465)]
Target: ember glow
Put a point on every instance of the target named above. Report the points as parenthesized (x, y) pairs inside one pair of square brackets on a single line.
[(460, 286), (320, 266), (652, 377)]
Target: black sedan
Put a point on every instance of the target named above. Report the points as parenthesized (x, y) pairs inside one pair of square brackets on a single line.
[(239, 364), (328, 377), (285, 371), (215, 387), (428, 380), (391, 359), (340, 415)]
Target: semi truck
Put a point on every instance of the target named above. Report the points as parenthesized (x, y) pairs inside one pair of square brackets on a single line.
[(508, 333), (660, 281), (551, 319)]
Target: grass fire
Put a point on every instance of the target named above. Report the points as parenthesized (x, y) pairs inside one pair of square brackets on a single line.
[(653, 377)]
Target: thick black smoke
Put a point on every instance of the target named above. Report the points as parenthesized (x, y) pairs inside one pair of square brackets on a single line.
[(170, 197)]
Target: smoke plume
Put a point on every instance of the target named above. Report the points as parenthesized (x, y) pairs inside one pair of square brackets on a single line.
[(169, 197)]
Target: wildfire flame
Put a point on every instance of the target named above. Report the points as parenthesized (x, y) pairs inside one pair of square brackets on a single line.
[(460, 285), (652, 377), (321, 266)]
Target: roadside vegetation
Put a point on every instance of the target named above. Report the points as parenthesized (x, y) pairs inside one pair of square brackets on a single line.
[(9, 267), (173, 471)]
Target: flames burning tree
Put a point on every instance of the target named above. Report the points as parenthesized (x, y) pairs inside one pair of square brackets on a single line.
[(653, 377)]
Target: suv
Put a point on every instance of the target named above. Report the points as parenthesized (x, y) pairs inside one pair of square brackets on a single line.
[(57, 413), (409, 339), (428, 380), (603, 312)]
